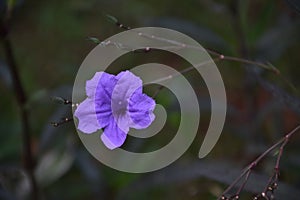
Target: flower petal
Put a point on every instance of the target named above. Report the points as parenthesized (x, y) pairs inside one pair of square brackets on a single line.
[(86, 115), (123, 122), (113, 137), (105, 86), (102, 98), (126, 85), (140, 110), (91, 85)]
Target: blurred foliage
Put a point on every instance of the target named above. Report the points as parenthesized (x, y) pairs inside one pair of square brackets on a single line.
[(50, 41)]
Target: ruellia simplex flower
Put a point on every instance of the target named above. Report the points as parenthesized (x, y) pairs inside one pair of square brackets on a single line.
[(114, 103)]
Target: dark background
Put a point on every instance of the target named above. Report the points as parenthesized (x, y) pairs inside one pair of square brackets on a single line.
[(48, 40)]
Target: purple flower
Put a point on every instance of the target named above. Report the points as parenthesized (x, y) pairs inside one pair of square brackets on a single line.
[(114, 103)]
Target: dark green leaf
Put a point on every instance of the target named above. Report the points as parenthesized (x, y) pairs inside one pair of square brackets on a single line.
[(55, 163), (93, 39), (59, 100), (111, 18)]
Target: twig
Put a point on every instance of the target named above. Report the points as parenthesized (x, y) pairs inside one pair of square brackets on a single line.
[(182, 72), (246, 172), (63, 101), (28, 160), (182, 45), (64, 120), (267, 66)]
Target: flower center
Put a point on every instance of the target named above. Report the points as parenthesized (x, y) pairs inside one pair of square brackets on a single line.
[(119, 107)]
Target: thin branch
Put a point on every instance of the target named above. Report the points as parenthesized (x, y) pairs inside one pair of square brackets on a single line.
[(267, 66), (283, 141), (182, 45), (188, 69), (61, 100), (64, 120), (28, 160), (245, 61)]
